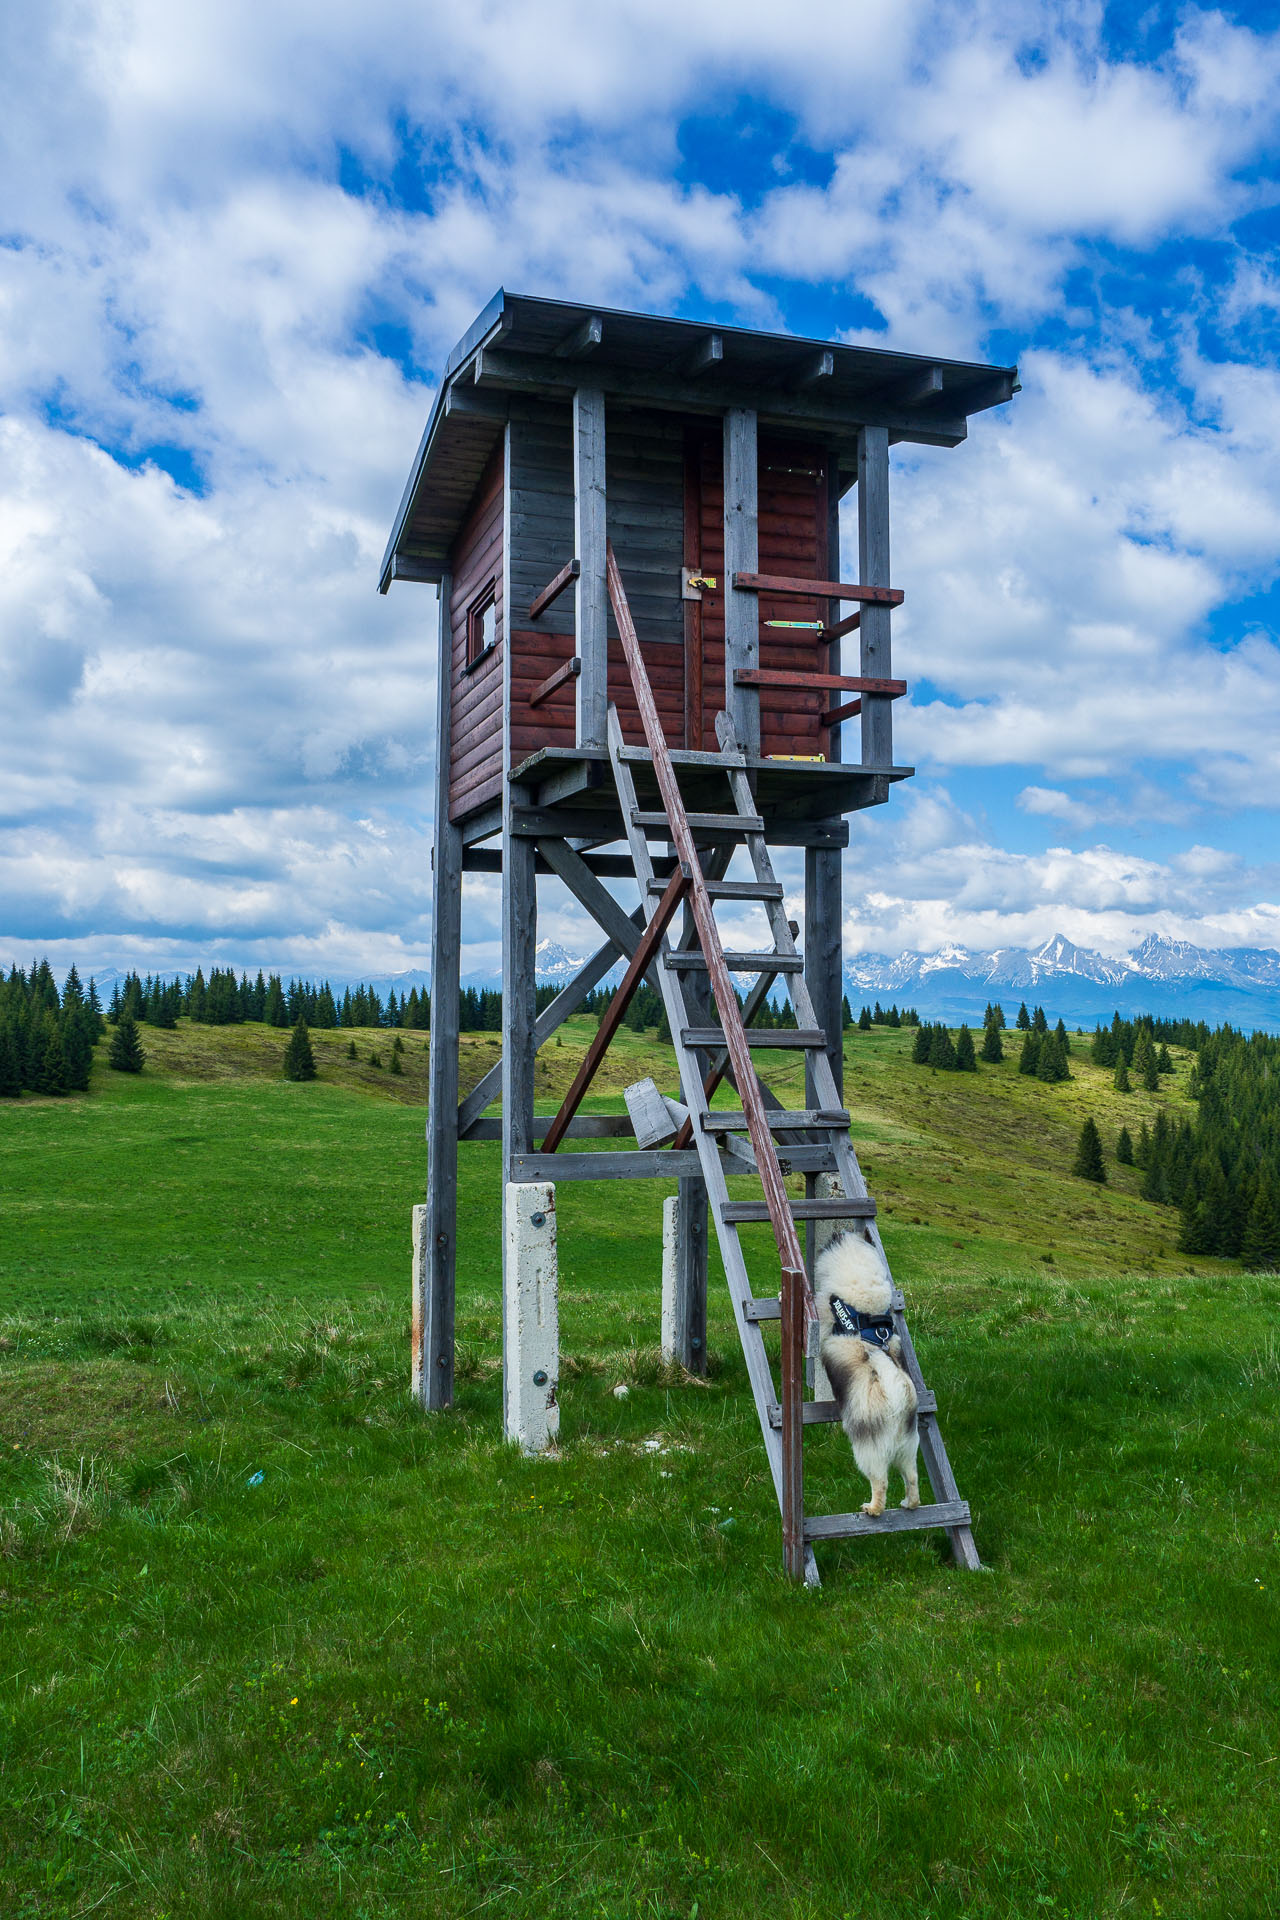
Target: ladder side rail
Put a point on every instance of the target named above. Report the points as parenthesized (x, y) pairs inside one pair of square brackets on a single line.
[(937, 1462), (796, 1294), (740, 1291)]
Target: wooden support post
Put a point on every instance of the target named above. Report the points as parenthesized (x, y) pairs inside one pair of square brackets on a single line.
[(873, 571), (591, 594), (531, 1315), (822, 959), (741, 555), (691, 1275), (435, 1254)]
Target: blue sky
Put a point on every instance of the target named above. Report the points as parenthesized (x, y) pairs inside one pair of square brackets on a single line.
[(236, 243)]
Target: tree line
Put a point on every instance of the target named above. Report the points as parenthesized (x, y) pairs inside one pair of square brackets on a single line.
[(222, 1000)]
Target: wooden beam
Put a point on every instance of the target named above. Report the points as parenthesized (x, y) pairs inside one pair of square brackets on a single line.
[(873, 564), (555, 587), (561, 677), (706, 357), (613, 920), (819, 366), (426, 572), (433, 1303), (872, 596), (611, 1020), (815, 412), (591, 599), (834, 715), (582, 341), (633, 1164), (741, 557), (837, 682), (920, 389), (566, 1002), (838, 628)]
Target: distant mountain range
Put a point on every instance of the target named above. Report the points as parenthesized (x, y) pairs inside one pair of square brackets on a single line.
[(1162, 976)]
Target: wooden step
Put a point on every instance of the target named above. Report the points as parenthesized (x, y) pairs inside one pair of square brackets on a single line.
[(733, 889), (796, 1122), (823, 1413), (736, 824), (745, 1213), (689, 960), (756, 1037), (816, 1157), (849, 1526), (770, 1308)]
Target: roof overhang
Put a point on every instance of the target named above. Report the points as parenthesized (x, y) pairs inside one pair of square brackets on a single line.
[(545, 349)]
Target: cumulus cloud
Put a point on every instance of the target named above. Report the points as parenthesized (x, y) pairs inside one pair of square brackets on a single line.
[(237, 241)]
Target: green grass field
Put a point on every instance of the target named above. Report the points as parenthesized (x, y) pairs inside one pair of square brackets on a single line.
[(273, 1643)]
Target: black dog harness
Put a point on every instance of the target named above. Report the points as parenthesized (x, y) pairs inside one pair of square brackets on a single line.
[(876, 1330)]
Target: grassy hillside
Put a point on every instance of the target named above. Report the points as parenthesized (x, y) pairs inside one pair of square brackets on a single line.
[(274, 1644)]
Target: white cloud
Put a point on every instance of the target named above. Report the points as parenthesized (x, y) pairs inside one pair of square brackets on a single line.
[(202, 699)]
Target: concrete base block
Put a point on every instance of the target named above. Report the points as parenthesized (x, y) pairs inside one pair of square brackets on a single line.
[(418, 1304), (670, 1270), (531, 1300)]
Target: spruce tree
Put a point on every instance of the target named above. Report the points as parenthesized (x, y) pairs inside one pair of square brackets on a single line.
[(1051, 1063), (846, 1013), (920, 1045), (1124, 1148), (1039, 1020), (125, 1052), (1122, 1081), (864, 1020), (10, 1069), (1164, 1061), (1142, 1152), (1144, 1061), (992, 1045), (1260, 1247), (942, 1053), (396, 1066), (1088, 1163), (1024, 1018), (965, 1060), (299, 1060), (351, 1050), (1064, 1037), (1029, 1058), (77, 1050)]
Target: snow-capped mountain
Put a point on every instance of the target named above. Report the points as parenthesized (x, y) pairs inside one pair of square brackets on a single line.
[(1170, 977)]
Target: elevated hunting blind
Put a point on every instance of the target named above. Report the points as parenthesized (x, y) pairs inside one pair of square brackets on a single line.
[(633, 524)]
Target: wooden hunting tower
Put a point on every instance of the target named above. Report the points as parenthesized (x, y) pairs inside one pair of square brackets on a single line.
[(633, 525)]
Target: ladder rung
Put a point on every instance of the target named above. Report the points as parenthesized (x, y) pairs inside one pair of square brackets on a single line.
[(821, 1413), (806, 1118), (733, 889), (692, 961), (756, 1037), (734, 823), (845, 1526), (745, 1213)]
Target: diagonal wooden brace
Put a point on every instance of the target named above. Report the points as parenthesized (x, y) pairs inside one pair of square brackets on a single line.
[(648, 945)]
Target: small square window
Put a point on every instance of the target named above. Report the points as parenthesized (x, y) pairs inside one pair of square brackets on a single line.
[(482, 625)]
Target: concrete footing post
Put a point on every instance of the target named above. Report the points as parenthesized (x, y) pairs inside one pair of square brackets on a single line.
[(670, 1271), (531, 1409), (418, 1301)]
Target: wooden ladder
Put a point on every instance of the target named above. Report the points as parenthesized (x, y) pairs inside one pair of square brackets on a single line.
[(813, 1140)]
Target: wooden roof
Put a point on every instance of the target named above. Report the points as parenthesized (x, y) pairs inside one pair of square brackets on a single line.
[(546, 348)]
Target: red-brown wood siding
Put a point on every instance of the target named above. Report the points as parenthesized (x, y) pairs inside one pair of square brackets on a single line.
[(793, 540), (475, 747)]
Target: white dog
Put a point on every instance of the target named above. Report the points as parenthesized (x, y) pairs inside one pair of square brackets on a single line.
[(863, 1358)]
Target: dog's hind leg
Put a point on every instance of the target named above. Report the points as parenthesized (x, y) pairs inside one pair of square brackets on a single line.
[(879, 1493), (911, 1475)]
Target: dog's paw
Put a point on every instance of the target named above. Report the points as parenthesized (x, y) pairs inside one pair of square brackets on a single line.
[(912, 1500), (873, 1511)]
